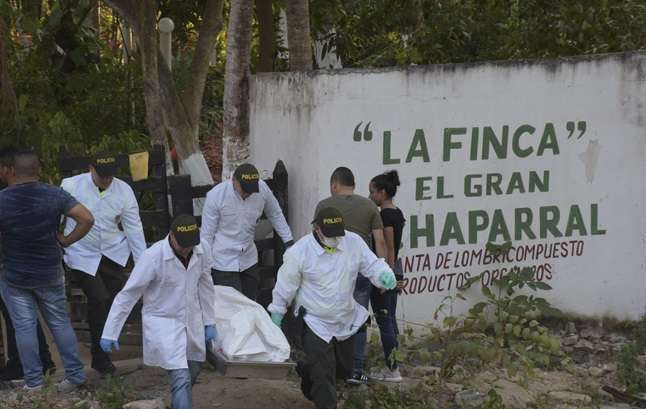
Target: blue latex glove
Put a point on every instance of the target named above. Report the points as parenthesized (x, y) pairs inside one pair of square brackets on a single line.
[(108, 345), (210, 332), (277, 318), (387, 278)]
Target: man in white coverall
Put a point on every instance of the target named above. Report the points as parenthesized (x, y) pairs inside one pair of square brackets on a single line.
[(178, 315), (319, 273), (97, 260), (229, 220)]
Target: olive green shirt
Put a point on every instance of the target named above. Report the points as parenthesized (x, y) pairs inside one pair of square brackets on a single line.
[(360, 214)]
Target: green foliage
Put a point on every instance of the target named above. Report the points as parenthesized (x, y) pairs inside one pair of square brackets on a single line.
[(493, 400), (507, 324), (404, 32), (380, 396), (630, 371), (83, 101), (113, 393)]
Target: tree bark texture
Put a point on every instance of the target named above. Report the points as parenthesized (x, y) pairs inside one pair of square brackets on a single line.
[(8, 103), (211, 26), (265, 17), (236, 95), (168, 114), (298, 35)]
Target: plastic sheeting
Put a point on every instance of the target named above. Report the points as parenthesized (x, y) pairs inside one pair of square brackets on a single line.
[(245, 331)]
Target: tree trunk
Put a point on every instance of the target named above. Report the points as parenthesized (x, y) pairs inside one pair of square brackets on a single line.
[(298, 34), (166, 113), (236, 95), (265, 17), (211, 26), (8, 104)]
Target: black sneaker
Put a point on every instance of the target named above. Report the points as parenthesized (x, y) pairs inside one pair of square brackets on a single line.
[(358, 379), (104, 366)]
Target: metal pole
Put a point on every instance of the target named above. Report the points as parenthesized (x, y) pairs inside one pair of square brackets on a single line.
[(166, 27)]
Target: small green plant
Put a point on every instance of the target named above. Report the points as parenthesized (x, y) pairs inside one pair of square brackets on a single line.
[(515, 315), (112, 393), (383, 397), (630, 371), (493, 400), (507, 323)]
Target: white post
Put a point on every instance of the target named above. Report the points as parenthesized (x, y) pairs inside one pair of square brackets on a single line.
[(166, 27)]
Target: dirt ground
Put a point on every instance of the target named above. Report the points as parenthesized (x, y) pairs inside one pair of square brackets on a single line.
[(591, 353), (215, 391), (211, 391)]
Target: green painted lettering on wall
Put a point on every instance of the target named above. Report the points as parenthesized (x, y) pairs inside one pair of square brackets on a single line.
[(549, 220), (451, 230), (475, 137), (491, 141), (548, 141), (440, 189), (594, 220), (536, 183), (515, 143), (478, 221), (418, 147), (493, 183), (515, 183), (523, 223), (421, 188), (527, 224), (387, 160), (448, 142), (427, 231), (575, 222), (471, 188), (498, 227)]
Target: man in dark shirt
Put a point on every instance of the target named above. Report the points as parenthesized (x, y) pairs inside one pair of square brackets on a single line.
[(33, 279), (13, 367)]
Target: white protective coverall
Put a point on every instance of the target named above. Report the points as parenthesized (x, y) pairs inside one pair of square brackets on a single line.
[(324, 284), (177, 304)]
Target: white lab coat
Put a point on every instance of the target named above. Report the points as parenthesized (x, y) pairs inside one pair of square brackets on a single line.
[(324, 284), (115, 206), (229, 224), (177, 304)]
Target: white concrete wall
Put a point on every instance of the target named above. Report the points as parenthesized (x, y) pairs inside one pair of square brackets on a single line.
[(308, 120)]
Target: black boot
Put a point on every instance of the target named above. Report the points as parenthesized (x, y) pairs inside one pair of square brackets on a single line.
[(306, 382), (103, 364)]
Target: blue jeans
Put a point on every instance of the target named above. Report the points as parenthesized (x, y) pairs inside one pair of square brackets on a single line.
[(23, 305), (181, 385), (362, 296), (384, 307)]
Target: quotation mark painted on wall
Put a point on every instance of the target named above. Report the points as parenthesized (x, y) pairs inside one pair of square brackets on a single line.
[(366, 134), (580, 126)]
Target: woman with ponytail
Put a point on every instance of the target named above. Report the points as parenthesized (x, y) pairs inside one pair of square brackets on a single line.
[(382, 190)]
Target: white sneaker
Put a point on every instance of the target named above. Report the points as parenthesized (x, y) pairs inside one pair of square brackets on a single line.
[(386, 375), (33, 388), (65, 386)]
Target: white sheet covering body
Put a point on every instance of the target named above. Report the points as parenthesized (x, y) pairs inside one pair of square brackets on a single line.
[(245, 331)]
